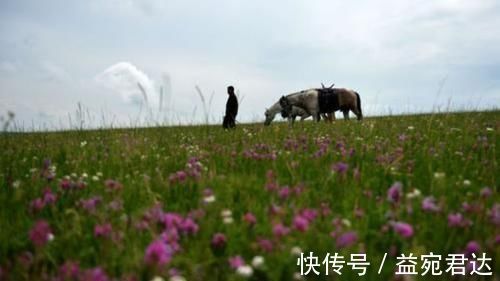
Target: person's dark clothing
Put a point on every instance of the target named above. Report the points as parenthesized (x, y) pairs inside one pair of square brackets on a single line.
[(231, 112)]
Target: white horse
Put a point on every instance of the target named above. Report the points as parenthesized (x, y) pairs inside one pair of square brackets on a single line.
[(317, 101), (276, 108)]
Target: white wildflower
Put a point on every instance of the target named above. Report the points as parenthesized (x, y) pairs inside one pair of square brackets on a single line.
[(157, 278), (226, 213), (467, 182), (245, 271), (296, 251), (298, 276), (439, 175), (258, 261), (228, 220), (209, 199), (83, 143), (16, 184), (346, 222), (413, 194)]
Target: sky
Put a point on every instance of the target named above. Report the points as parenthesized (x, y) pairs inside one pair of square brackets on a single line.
[(103, 63)]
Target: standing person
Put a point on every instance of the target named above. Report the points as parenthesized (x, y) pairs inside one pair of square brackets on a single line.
[(231, 109)]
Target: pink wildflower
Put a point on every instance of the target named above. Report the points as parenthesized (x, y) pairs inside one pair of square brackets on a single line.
[(219, 240), (236, 262), (405, 230), (346, 239), (40, 233), (455, 220), (103, 230), (157, 253), (280, 230), (250, 219), (300, 223), (394, 193), (429, 204)]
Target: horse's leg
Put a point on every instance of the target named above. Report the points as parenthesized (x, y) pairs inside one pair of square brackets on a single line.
[(358, 114), (326, 117), (346, 114)]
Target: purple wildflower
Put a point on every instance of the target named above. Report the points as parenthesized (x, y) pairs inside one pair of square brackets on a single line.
[(112, 185), (170, 236), (300, 223), (236, 262), (48, 196), (103, 230), (266, 245), (394, 193), (116, 205), (172, 220), (472, 247), (69, 271), (429, 204), (280, 230), (40, 233), (250, 219), (219, 240), (486, 192), (340, 168), (37, 204), (284, 192), (189, 226), (405, 230), (309, 214), (94, 274), (90, 204), (494, 214), (455, 220), (346, 239), (158, 253)]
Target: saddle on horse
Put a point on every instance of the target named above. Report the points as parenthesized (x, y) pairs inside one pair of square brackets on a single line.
[(328, 100)]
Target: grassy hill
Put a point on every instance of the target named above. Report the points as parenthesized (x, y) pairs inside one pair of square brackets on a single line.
[(183, 201)]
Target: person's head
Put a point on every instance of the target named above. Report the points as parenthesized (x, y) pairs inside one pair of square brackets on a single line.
[(230, 90)]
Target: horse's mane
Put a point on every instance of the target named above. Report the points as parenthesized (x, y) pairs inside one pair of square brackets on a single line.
[(299, 93)]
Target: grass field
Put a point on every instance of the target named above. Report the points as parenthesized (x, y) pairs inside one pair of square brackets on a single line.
[(202, 203)]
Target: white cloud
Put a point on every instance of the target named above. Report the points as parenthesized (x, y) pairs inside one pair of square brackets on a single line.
[(132, 84)]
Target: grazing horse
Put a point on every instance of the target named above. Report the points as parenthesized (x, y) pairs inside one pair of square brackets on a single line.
[(296, 111), (276, 108), (316, 101)]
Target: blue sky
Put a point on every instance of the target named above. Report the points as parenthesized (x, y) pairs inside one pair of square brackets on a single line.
[(401, 56)]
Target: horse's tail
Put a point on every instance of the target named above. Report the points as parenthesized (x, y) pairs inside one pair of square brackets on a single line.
[(359, 105)]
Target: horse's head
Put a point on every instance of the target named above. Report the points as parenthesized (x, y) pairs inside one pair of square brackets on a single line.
[(269, 117)]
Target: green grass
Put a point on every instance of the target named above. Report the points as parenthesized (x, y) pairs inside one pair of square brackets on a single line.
[(378, 152)]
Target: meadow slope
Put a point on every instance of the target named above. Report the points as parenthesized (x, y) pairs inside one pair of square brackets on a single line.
[(200, 202)]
